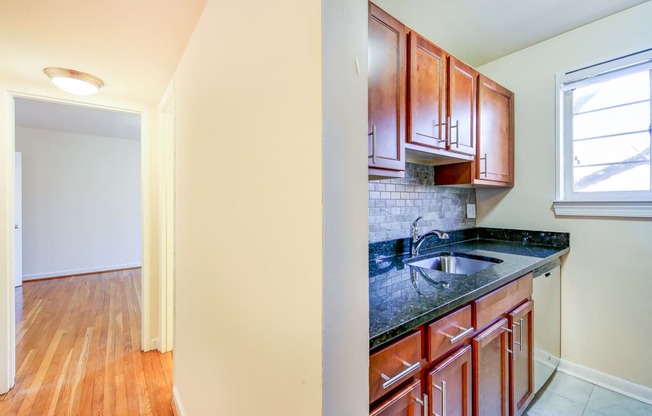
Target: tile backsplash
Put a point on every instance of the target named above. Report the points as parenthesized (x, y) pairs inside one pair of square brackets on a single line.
[(395, 203)]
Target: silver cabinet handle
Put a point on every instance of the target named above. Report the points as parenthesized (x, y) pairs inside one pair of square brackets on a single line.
[(456, 126), (423, 403), (485, 165), (373, 143), (520, 325), (442, 389), (454, 339), (390, 381)]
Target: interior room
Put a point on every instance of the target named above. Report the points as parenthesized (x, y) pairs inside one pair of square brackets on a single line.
[(491, 257)]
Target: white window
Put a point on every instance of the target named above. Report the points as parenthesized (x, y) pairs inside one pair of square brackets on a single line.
[(604, 137)]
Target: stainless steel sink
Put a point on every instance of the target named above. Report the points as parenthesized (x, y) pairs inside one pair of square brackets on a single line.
[(455, 263)]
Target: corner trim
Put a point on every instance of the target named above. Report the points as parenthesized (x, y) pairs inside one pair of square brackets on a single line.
[(177, 407), (624, 209), (613, 383)]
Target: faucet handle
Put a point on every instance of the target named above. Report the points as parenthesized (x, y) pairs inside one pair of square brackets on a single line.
[(415, 228)]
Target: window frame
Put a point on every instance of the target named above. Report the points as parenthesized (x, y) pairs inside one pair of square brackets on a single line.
[(637, 204)]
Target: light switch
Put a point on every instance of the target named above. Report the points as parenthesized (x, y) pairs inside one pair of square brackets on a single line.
[(470, 211)]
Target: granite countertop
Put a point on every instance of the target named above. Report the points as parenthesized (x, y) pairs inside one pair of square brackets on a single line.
[(401, 297)]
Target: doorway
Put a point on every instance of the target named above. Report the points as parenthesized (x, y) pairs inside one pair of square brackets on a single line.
[(7, 226)]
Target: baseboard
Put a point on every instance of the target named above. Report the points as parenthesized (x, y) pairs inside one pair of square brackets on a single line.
[(75, 272), (176, 403), (619, 385), (154, 344)]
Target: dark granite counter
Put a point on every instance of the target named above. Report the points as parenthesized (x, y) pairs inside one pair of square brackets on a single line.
[(402, 298)]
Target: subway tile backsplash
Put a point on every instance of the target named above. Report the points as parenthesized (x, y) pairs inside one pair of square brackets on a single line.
[(395, 203)]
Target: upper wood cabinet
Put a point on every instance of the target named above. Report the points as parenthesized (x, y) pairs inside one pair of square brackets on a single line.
[(428, 93), (441, 105), (493, 165), (387, 94), (495, 160), (462, 106)]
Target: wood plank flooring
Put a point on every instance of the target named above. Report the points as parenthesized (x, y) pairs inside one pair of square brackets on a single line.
[(78, 350)]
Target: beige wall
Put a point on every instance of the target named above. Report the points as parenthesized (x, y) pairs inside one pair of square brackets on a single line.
[(248, 211), (607, 278)]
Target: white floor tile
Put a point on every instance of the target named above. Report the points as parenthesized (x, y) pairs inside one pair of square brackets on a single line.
[(570, 387), (550, 404), (608, 403)]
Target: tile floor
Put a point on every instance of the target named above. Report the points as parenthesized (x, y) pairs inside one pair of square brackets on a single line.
[(569, 396)]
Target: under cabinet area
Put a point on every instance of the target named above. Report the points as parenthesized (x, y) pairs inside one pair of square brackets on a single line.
[(475, 360)]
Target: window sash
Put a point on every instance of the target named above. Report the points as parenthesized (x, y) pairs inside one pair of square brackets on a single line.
[(566, 83)]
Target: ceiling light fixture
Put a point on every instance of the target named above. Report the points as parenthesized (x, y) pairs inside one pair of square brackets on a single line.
[(74, 82)]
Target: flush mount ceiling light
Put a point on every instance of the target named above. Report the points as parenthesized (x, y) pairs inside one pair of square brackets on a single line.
[(74, 82)]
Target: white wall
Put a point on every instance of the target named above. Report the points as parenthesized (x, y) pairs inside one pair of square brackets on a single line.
[(607, 278), (81, 203), (248, 211)]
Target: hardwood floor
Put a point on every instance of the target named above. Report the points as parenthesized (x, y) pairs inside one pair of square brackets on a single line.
[(78, 350)]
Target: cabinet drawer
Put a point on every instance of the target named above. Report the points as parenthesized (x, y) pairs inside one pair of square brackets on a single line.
[(408, 401), (394, 364), (449, 332), (502, 300)]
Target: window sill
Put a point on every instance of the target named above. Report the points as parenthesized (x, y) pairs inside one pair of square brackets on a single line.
[(622, 209)]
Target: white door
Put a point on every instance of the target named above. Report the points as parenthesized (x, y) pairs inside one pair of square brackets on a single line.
[(18, 227)]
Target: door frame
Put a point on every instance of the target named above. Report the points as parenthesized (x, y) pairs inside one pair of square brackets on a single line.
[(166, 219), (7, 216)]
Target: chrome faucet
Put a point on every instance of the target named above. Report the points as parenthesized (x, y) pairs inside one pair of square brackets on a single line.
[(417, 240)]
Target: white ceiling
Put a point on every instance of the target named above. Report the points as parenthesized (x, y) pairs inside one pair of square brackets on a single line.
[(134, 46), (480, 31), (77, 119)]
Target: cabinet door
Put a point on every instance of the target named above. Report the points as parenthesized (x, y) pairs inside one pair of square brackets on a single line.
[(462, 106), (449, 385), (491, 371), (387, 79), (406, 402), (521, 374), (495, 158), (427, 93)]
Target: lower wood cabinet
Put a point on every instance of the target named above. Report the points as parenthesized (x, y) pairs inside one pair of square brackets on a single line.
[(405, 402), (521, 373), (491, 371), (439, 370), (449, 385)]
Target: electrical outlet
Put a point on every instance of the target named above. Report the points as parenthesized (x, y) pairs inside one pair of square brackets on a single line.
[(470, 211)]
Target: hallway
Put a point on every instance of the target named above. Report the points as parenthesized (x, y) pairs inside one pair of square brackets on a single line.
[(78, 350)]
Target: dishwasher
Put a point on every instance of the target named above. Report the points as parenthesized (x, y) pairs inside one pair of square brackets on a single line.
[(547, 321)]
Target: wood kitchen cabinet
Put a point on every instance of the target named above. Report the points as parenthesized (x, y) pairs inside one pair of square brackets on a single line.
[(491, 371), (521, 373), (503, 382), (476, 360), (462, 106), (441, 104), (493, 165), (449, 385), (428, 93), (387, 94), (406, 402)]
